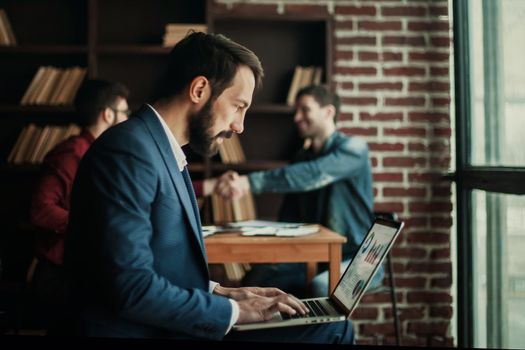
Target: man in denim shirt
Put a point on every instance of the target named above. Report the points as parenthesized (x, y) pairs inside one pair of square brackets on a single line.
[(329, 182)]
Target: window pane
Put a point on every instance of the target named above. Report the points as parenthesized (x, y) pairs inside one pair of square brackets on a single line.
[(497, 82), (499, 269)]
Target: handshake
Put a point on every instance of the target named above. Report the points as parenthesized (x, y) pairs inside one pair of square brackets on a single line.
[(229, 185)]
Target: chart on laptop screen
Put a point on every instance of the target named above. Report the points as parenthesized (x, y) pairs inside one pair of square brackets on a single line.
[(356, 277)]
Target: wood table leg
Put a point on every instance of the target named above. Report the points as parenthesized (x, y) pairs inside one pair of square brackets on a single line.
[(334, 266), (311, 271)]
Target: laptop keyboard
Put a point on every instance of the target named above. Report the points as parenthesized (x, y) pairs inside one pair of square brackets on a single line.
[(316, 309)]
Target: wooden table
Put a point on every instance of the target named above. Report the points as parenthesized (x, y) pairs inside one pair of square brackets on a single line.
[(324, 246)]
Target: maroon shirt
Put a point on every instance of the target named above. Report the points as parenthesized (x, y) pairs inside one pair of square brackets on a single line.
[(50, 203)]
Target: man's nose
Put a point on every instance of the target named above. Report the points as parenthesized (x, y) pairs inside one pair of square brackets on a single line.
[(237, 126), (297, 117)]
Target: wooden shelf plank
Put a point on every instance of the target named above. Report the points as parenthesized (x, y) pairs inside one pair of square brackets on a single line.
[(44, 49), (133, 49)]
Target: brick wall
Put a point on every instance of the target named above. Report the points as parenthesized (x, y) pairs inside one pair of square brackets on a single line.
[(391, 68)]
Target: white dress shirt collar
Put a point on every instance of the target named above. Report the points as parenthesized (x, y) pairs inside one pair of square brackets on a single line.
[(180, 157)]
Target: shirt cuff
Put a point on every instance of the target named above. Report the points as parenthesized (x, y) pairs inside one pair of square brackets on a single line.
[(256, 180), (211, 286), (235, 314), (235, 307)]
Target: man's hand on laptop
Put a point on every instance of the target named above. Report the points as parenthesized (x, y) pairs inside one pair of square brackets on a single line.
[(261, 308), (247, 292)]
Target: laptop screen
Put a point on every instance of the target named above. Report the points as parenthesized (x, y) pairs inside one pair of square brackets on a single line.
[(371, 253)]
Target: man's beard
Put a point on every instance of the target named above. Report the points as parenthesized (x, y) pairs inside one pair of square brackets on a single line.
[(200, 129)]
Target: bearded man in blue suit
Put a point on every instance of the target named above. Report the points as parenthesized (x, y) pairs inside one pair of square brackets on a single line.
[(134, 251)]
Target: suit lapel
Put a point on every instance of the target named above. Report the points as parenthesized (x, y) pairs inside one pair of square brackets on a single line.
[(184, 190)]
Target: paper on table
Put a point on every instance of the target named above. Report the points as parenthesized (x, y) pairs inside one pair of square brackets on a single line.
[(282, 231)]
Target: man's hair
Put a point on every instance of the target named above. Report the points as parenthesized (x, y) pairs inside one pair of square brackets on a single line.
[(323, 96), (213, 56), (93, 96)]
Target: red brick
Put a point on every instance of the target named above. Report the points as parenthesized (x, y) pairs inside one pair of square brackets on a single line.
[(425, 177), (438, 146), (441, 311), (428, 328), (345, 116), (404, 40), (376, 328), (368, 56), (406, 313), (343, 55), (404, 71), (374, 146), (389, 206), (384, 297), (355, 10), (410, 282), (428, 56), (440, 41), (379, 25), (365, 313), (428, 297), (305, 9), (404, 252), (404, 161), (429, 267), (429, 26), (439, 71), (428, 116), (366, 340), (438, 10), (442, 162), (387, 177), (356, 70), (347, 85), (359, 101), (246, 9), (415, 221), (404, 11), (441, 101), (381, 86), (405, 131), (344, 25), (428, 237), (364, 116), (392, 56), (360, 131), (417, 147), (441, 222), (399, 267), (404, 192), (430, 207), (374, 162), (404, 101), (441, 282), (375, 190), (447, 132), (440, 253), (357, 40), (429, 86)]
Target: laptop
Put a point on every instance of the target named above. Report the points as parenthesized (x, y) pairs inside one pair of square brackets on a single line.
[(351, 286)]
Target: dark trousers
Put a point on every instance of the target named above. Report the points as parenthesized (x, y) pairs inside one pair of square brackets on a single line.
[(49, 290), (327, 333)]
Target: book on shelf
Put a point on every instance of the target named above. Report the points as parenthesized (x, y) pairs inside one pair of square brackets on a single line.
[(174, 32), (34, 142), (7, 36), (53, 86), (303, 77)]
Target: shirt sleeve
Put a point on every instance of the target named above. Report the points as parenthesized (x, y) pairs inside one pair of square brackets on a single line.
[(345, 161), (235, 307)]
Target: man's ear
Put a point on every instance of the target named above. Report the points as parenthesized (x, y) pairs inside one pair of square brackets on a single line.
[(199, 89), (330, 111), (107, 115)]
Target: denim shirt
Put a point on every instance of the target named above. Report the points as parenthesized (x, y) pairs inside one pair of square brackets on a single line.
[(332, 187)]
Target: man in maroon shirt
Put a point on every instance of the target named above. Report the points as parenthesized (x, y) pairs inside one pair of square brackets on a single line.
[(100, 104)]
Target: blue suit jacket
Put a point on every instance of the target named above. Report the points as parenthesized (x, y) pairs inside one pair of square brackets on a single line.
[(134, 249)]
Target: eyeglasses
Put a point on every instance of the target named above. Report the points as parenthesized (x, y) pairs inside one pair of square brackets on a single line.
[(127, 112)]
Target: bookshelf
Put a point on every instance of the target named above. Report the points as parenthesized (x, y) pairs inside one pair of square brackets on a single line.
[(122, 40)]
